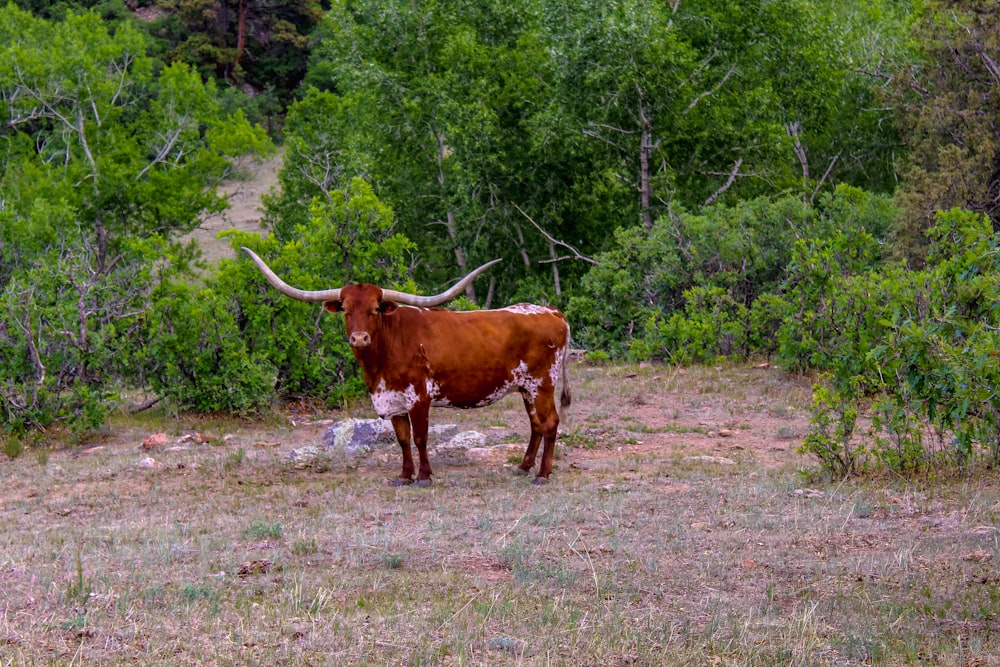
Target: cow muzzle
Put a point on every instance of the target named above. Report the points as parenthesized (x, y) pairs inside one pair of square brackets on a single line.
[(359, 339)]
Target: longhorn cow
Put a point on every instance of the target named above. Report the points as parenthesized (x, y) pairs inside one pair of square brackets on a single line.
[(414, 356)]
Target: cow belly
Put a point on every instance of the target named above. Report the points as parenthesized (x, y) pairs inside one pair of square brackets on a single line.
[(476, 397)]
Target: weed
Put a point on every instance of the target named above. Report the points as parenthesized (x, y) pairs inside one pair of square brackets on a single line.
[(234, 459), (392, 561), (262, 530), (304, 547), (13, 445)]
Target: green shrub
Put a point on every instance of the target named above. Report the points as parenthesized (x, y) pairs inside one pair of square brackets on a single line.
[(832, 437)]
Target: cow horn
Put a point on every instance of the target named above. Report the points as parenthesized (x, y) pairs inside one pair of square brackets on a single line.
[(286, 289), (387, 294), (437, 300)]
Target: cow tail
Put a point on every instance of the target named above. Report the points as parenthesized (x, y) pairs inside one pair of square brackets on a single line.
[(565, 398)]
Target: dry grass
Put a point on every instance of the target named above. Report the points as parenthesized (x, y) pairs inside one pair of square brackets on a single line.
[(648, 548)]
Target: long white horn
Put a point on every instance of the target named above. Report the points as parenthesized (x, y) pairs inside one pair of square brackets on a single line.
[(288, 290), (437, 300)]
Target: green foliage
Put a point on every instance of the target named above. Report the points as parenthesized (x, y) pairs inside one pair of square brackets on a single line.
[(832, 437), (712, 325), (929, 355), (262, 45), (68, 334), (698, 280), (526, 129), (196, 356), (105, 159)]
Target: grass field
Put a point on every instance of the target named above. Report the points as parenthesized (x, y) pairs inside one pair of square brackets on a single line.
[(678, 529)]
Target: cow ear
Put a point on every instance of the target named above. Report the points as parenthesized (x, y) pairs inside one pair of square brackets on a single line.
[(387, 307), (333, 306)]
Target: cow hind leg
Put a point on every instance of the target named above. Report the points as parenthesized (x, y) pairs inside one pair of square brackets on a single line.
[(544, 425), (401, 425)]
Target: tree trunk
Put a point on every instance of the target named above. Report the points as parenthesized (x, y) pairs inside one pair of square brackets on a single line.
[(241, 36), (645, 178), (449, 224)]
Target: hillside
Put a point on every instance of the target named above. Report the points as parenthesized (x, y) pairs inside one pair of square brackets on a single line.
[(255, 178)]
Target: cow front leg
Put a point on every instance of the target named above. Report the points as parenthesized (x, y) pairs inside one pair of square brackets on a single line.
[(401, 425), (419, 424)]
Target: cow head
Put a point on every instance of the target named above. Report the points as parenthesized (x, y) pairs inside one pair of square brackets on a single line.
[(362, 304)]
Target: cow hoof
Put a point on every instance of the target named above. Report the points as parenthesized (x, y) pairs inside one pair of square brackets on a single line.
[(401, 481), (424, 483), (521, 472), (539, 481)]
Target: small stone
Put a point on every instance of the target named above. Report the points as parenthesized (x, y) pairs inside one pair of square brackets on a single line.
[(718, 460), (506, 644), (150, 463)]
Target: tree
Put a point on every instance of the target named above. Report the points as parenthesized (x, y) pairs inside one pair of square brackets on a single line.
[(948, 109), (264, 44), (532, 129)]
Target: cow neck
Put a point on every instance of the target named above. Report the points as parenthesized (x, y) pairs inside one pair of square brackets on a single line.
[(378, 360)]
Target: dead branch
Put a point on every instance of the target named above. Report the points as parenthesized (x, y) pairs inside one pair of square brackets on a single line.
[(556, 242), (728, 184), (711, 91), (825, 175), (793, 130)]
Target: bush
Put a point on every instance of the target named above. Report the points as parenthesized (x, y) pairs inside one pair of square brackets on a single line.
[(638, 298), (197, 356), (925, 344)]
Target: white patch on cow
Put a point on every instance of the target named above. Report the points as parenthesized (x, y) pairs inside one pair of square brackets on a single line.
[(499, 393), (557, 366), (528, 309), (390, 402), (526, 381), (521, 379), (434, 392)]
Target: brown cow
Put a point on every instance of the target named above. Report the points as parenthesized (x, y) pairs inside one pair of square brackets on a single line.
[(414, 356)]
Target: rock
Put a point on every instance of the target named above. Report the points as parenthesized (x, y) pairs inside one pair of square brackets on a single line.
[(440, 431), (359, 437), (719, 460), (494, 453), (304, 456), (150, 463), (463, 440), (507, 644), (725, 433)]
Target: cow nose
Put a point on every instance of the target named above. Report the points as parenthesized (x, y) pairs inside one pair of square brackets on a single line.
[(360, 339)]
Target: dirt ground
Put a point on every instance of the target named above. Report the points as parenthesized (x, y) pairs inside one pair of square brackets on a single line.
[(753, 415)]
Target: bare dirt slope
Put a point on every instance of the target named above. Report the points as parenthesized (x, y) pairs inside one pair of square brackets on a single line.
[(254, 179)]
